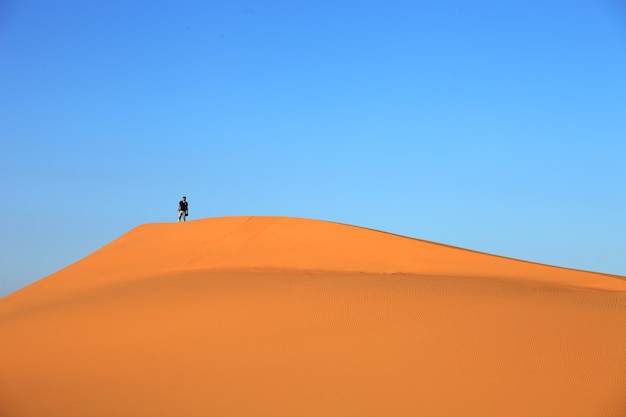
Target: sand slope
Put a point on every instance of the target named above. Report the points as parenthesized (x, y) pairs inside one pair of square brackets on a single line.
[(269, 316)]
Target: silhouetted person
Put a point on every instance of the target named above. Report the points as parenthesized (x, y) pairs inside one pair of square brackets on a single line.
[(183, 209)]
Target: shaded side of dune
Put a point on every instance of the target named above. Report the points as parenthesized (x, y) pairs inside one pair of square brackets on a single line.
[(308, 344)]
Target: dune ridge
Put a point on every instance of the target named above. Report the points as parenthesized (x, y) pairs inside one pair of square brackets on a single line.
[(251, 316), (283, 243)]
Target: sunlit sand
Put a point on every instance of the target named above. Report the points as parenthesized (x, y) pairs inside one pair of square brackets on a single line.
[(275, 316)]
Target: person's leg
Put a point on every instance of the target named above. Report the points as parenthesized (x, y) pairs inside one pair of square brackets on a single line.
[(180, 215)]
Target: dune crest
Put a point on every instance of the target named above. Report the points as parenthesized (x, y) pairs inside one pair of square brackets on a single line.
[(283, 243), (276, 316)]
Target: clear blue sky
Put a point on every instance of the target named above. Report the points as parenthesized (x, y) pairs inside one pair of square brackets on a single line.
[(497, 126)]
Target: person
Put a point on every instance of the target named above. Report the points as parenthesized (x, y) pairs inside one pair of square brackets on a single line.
[(183, 209)]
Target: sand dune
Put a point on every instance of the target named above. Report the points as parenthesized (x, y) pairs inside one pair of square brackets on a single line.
[(270, 316)]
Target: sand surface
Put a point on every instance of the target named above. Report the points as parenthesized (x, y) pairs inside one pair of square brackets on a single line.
[(273, 316)]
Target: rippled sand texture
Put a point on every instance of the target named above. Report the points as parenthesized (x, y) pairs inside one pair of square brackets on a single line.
[(270, 316)]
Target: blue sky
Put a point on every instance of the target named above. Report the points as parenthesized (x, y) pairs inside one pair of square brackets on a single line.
[(496, 126)]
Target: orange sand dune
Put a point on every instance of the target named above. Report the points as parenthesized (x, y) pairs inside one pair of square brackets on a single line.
[(269, 316)]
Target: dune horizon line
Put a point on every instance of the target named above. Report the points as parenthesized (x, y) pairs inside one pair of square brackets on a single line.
[(291, 243)]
